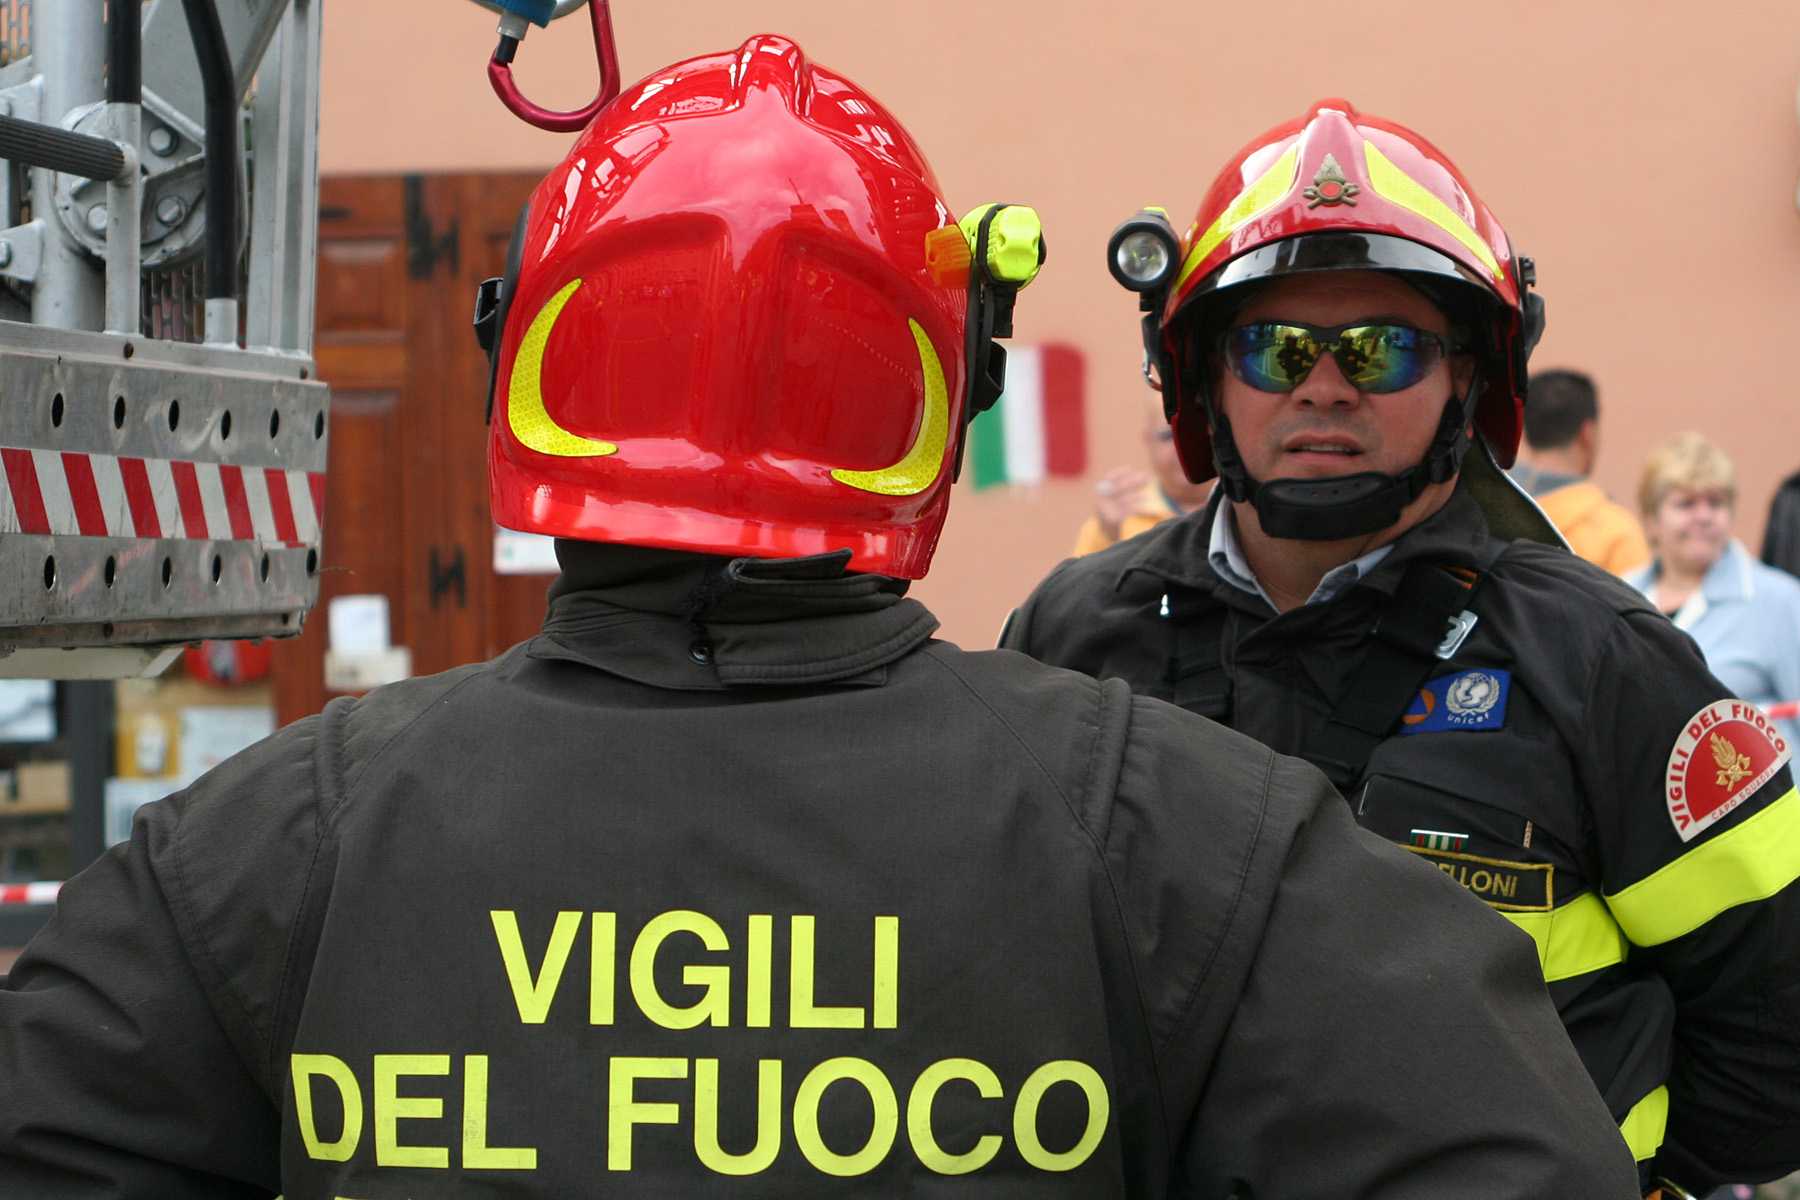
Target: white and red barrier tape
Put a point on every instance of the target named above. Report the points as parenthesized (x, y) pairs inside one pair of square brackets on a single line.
[(1786, 710), (29, 893), (103, 495)]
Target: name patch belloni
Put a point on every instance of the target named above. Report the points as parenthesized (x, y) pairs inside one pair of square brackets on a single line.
[(1725, 753)]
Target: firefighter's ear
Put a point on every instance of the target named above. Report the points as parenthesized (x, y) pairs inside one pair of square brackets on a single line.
[(1462, 373)]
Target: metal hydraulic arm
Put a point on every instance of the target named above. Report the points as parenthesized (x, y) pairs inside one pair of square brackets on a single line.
[(162, 454), (162, 436)]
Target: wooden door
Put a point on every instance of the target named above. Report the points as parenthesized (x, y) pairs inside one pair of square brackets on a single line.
[(406, 509)]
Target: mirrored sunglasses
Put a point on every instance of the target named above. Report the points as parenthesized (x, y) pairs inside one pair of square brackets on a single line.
[(1277, 356)]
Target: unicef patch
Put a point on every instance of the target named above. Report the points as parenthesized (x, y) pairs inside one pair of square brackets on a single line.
[(1468, 701)]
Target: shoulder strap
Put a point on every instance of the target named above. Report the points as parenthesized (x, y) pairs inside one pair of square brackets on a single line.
[(1422, 624), (1197, 678)]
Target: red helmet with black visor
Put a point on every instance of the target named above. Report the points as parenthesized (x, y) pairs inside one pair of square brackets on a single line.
[(1338, 190)]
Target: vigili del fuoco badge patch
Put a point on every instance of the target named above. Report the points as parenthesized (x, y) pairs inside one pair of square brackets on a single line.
[(1727, 751)]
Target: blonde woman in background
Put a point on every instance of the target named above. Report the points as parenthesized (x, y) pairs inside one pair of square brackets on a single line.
[(1744, 615)]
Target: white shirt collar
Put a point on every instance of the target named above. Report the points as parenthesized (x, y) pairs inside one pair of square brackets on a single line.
[(1228, 562)]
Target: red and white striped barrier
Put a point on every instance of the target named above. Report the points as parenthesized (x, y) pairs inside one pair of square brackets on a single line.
[(29, 893), (104, 495), (1784, 711)]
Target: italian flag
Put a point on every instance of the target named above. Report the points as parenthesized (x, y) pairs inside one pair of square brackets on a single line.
[(1434, 839), (1038, 428)]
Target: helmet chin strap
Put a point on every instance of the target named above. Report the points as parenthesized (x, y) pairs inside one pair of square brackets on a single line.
[(1343, 506)]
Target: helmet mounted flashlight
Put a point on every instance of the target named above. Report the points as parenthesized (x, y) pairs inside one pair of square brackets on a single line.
[(1143, 252)]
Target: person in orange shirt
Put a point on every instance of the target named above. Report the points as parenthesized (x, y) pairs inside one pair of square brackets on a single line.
[(1129, 500), (1562, 439)]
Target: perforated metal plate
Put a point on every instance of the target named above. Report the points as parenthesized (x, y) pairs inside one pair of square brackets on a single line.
[(155, 492)]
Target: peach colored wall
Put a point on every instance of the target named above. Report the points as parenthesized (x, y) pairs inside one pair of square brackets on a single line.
[(1647, 154)]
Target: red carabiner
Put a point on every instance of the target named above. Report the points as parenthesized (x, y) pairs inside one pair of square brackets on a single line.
[(500, 75)]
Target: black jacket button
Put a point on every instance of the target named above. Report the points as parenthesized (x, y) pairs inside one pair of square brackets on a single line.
[(701, 652)]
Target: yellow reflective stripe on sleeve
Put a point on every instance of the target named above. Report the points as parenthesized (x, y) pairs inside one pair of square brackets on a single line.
[(1643, 1126), (1397, 186), (1579, 937), (1251, 203), (1740, 866)]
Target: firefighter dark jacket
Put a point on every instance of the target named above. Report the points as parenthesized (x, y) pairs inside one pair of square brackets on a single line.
[(736, 883), (1569, 760)]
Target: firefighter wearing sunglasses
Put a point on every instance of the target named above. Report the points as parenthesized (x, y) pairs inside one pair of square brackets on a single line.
[(1341, 337)]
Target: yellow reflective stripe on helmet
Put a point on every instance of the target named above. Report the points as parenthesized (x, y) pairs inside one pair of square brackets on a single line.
[(1251, 203), (531, 422), (1740, 866), (1579, 937), (1396, 186), (922, 464), (1644, 1125)]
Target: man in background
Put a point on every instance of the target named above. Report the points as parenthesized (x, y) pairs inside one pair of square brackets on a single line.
[(1129, 500), (1562, 439)]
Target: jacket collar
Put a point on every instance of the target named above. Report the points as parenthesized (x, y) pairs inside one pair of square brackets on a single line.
[(1455, 533), (697, 622)]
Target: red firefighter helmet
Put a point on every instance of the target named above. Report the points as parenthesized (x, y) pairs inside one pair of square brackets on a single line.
[(724, 333), (1340, 190)]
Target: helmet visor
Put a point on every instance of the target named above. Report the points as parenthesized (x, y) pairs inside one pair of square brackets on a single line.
[(1346, 251)]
